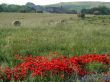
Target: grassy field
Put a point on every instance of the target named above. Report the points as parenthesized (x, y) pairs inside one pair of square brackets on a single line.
[(40, 34)]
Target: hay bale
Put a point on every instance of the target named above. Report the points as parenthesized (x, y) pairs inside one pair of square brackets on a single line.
[(81, 15), (16, 23), (96, 13), (62, 21)]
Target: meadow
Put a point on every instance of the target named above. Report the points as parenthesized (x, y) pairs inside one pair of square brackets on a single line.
[(42, 34)]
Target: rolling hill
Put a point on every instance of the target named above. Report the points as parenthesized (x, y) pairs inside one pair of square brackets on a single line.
[(79, 5)]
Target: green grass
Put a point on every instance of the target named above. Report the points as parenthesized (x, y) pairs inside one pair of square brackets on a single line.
[(40, 34)]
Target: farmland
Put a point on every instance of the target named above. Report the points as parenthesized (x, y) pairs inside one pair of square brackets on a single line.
[(42, 34)]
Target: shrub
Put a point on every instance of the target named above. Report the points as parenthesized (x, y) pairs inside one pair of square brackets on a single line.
[(39, 11)]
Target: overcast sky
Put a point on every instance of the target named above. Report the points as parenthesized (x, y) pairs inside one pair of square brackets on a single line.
[(42, 2)]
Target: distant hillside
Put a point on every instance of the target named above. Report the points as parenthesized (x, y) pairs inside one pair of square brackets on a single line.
[(63, 7), (79, 5)]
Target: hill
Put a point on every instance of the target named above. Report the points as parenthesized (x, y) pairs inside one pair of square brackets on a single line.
[(79, 5), (62, 7)]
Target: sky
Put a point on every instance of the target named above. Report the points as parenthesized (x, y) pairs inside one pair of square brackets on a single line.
[(43, 2)]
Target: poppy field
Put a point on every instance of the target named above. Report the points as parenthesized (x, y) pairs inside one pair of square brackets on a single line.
[(46, 67)]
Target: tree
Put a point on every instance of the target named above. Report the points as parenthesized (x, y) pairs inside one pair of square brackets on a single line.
[(4, 7), (39, 11), (102, 10), (13, 8), (26, 9), (1, 9)]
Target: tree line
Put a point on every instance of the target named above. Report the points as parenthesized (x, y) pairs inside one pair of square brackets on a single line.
[(16, 8), (101, 10), (30, 7)]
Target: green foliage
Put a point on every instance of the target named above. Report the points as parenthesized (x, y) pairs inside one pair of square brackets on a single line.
[(13, 8), (67, 7), (101, 9), (16, 8), (1, 9), (4, 7), (26, 9), (78, 6), (97, 67), (39, 11)]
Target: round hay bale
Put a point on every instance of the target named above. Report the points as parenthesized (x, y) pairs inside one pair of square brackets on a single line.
[(16, 23), (62, 21), (82, 15), (96, 13)]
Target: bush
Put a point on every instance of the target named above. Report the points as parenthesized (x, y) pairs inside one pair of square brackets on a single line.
[(39, 11)]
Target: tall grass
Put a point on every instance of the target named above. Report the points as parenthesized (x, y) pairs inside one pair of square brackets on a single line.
[(41, 34)]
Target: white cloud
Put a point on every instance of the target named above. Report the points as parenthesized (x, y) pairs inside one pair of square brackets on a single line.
[(43, 2)]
